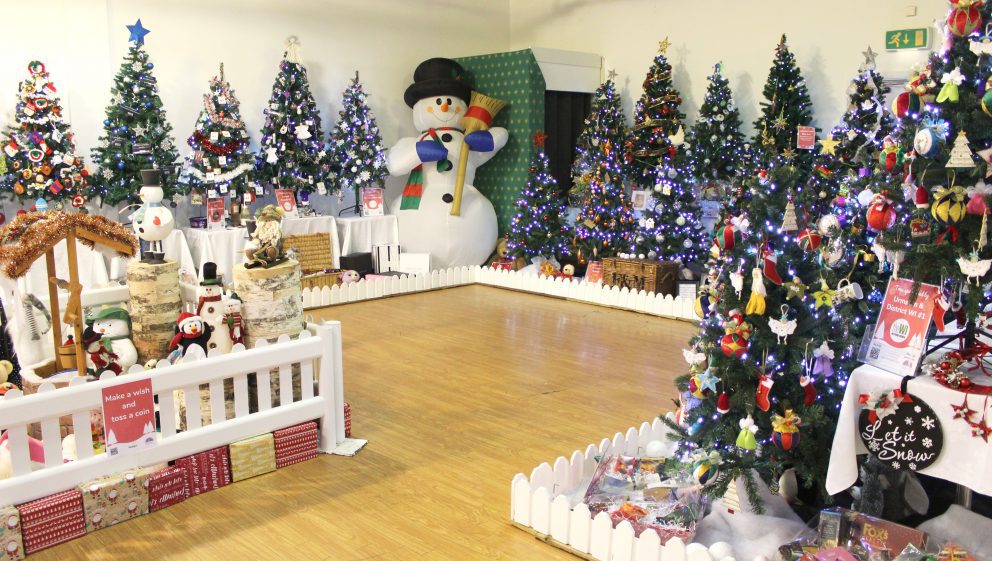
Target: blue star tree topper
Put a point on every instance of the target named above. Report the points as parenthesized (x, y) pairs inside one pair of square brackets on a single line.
[(138, 33)]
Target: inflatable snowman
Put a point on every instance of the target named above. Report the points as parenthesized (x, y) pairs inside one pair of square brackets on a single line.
[(153, 222), (114, 325), (211, 309), (439, 98)]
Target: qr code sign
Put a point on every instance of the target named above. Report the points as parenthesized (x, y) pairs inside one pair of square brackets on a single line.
[(874, 352)]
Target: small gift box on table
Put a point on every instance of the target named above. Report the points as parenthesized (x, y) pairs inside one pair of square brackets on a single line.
[(167, 487), (295, 444), (206, 471), (111, 500), (11, 544), (253, 456), (52, 520), (386, 257)]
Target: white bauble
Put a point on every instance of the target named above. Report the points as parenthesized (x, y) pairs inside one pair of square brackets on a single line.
[(828, 223), (680, 221), (687, 244), (865, 197), (640, 256)]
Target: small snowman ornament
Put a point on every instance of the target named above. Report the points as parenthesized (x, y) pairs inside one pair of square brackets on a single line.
[(153, 222), (233, 319), (210, 308), (439, 98), (113, 325)]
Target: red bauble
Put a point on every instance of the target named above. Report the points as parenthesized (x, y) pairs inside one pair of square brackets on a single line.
[(964, 19), (809, 240), (881, 214), (785, 441), (734, 345)]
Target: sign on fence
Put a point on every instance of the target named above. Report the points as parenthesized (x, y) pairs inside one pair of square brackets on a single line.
[(129, 417)]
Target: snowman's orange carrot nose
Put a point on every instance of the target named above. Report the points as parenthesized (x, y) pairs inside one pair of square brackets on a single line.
[(444, 107)]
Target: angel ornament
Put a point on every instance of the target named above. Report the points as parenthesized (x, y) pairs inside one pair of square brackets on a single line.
[(973, 267), (737, 281), (783, 327), (693, 356)]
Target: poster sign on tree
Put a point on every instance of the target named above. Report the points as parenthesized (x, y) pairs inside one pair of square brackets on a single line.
[(899, 337), (129, 416)]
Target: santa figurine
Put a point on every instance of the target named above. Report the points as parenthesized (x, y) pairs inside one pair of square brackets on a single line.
[(190, 330), (232, 318), (100, 357)]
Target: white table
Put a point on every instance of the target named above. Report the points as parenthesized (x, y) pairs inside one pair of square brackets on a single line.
[(359, 234), (965, 460)]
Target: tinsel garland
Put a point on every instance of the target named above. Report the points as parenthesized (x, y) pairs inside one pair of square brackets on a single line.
[(219, 149), (30, 235), (222, 177)]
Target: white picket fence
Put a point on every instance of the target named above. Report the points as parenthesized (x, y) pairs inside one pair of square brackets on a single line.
[(315, 354), (540, 505), (572, 289)]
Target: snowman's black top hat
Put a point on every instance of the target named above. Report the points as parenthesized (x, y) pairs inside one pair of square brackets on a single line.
[(151, 178), (437, 76), (210, 274)]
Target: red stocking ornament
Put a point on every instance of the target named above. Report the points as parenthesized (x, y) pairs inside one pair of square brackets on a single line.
[(764, 392), (940, 307), (770, 270), (809, 390)]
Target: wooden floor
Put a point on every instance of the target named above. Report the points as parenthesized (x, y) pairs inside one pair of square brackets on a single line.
[(456, 391)]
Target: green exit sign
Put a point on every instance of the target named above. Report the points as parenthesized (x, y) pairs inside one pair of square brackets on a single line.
[(907, 39)]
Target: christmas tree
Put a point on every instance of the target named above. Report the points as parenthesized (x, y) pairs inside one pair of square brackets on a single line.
[(39, 160), (136, 134), (220, 158), (539, 228), (605, 123), (291, 152), (357, 158), (786, 108), (657, 161), (716, 142), (605, 223)]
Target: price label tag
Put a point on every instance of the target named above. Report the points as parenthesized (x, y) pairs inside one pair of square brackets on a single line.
[(212, 194), (222, 160), (213, 136), (223, 188), (321, 189)]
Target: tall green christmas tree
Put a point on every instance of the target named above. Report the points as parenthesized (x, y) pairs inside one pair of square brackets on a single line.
[(655, 154), (787, 106), (136, 134), (538, 227), (220, 158), (357, 157), (605, 124), (291, 151), (39, 158), (605, 224), (716, 146)]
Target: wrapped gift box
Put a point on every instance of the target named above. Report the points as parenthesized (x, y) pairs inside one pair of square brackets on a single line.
[(386, 257), (295, 444), (11, 544), (361, 262), (114, 499), (415, 263), (206, 470), (347, 420), (167, 487), (253, 456), (52, 520)]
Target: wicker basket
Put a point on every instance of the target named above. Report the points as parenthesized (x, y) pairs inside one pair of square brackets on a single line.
[(321, 279), (660, 277), (313, 251)]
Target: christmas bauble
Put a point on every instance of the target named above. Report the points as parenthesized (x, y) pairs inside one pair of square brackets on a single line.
[(680, 221), (906, 103), (964, 19), (809, 240), (828, 223), (948, 205), (926, 143), (890, 158), (733, 345), (703, 303), (987, 102), (865, 197), (687, 243), (785, 440), (881, 214), (705, 472), (696, 389), (726, 237)]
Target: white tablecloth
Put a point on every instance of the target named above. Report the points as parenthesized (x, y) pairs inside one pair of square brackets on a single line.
[(316, 225), (965, 460), (359, 234)]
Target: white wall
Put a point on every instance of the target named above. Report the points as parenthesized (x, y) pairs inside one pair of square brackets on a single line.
[(827, 38), (84, 41)]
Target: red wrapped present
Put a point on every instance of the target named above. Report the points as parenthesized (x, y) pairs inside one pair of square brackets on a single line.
[(167, 487), (52, 520), (504, 264), (296, 444), (114, 499), (289, 432), (296, 458), (206, 471), (11, 544)]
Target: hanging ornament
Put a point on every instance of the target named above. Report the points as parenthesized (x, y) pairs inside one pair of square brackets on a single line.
[(825, 296), (734, 345), (737, 281), (782, 327), (809, 240), (828, 224), (795, 288), (976, 201), (696, 387), (785, 430), (961, 156), (746, 439), (809, 390), (727, 236), (865, 197), (822, 357), (705, 467), (881, 214), (949, 91), (78, 201), (906, 103), (723, 403), (762, 396), (973, 267), (770, 263), (965, 17), (948, 205), (921, 197), (891, 156), (926, 142), (756, 303), (706, 301), (789, 222)]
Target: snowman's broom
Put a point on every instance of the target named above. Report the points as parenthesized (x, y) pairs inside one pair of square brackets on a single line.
[(478, 117)]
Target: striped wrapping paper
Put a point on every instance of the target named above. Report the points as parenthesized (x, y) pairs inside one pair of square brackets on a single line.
[(52, 520), (295, 444)]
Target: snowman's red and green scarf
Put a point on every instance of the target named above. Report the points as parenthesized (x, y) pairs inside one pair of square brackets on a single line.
[(413, 191)]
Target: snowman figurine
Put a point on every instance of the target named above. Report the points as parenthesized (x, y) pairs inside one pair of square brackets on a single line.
[(153, 222), (439, 98), (210, 308), (113, 325)]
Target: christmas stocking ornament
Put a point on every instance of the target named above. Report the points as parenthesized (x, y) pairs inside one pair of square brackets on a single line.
[(723, 404), (770, 264), (763, 393), (940, 307), (809, 390)]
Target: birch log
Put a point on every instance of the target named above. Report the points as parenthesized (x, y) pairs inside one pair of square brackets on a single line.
[(155, 307)]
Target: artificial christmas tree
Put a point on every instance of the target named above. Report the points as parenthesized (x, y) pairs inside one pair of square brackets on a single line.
[(605, 124), (539, 228), (716, 144), (357, 159), (220, 159), (605, 223), (39, 155), (136, 134), (291, 151), (656, 159), (786, 108)]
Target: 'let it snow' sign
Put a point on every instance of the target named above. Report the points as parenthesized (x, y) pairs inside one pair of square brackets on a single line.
[(129, 417)]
